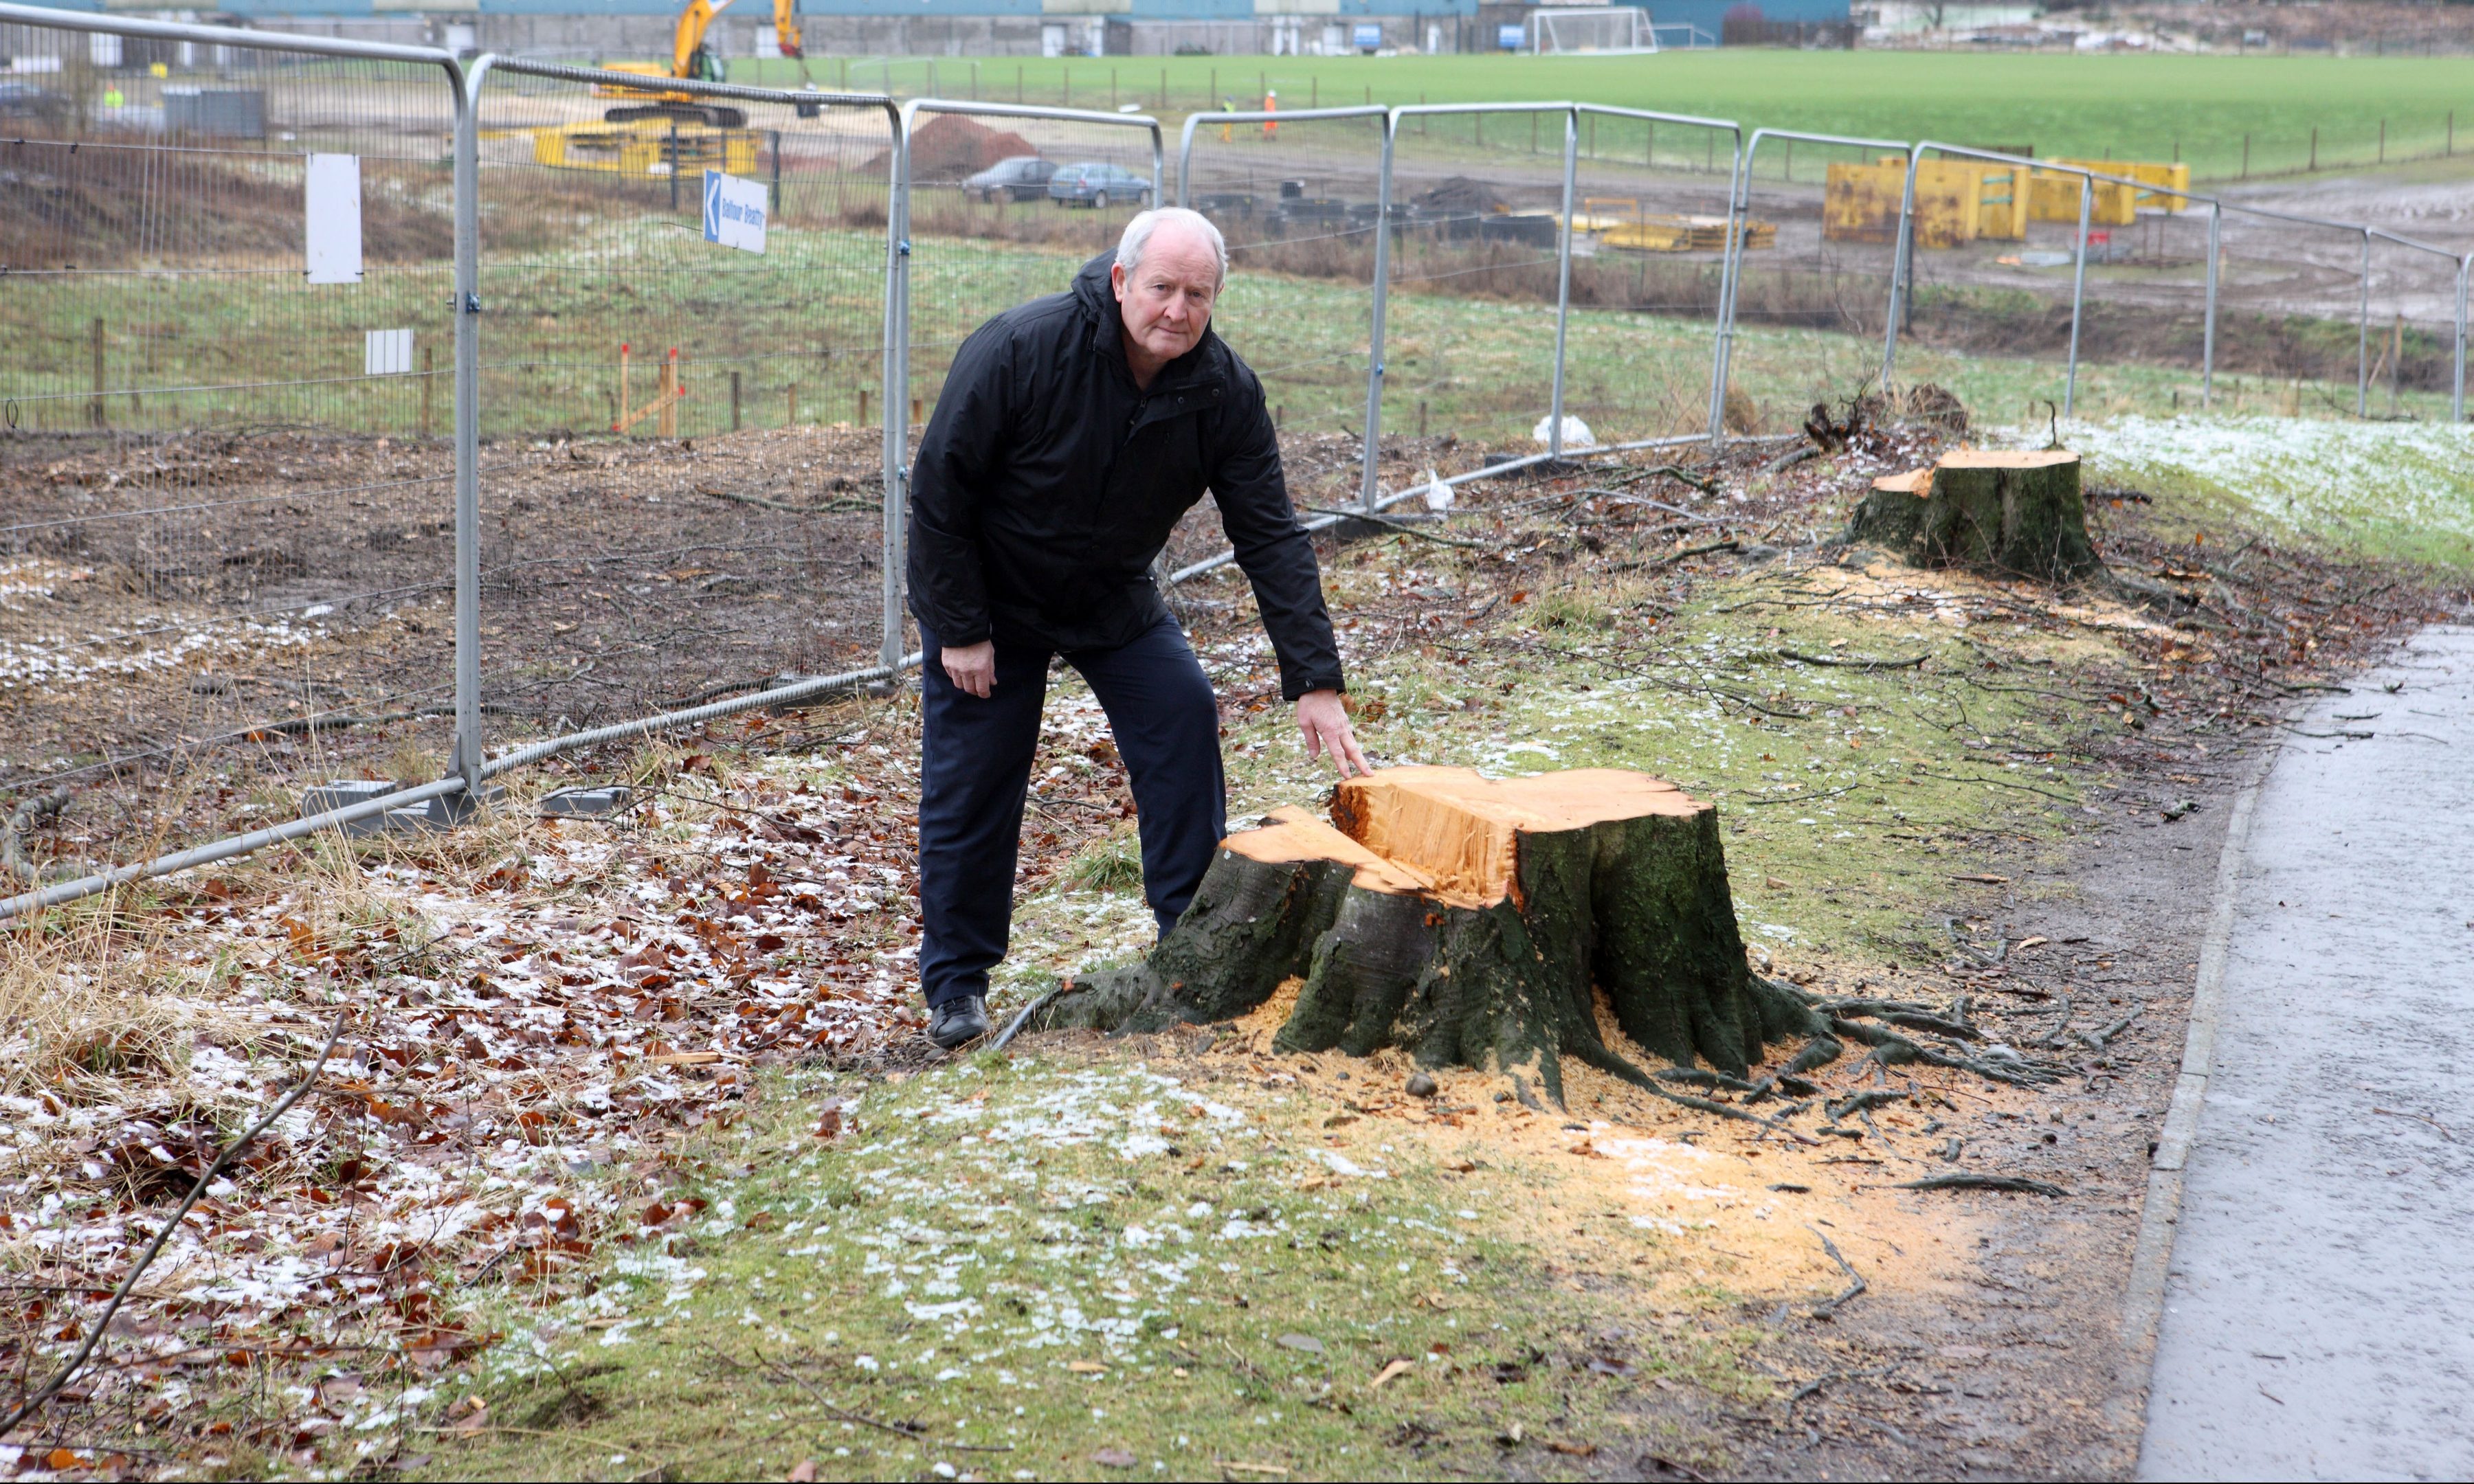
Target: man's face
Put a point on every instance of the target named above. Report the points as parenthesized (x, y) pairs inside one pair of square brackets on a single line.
[(1166, 300)]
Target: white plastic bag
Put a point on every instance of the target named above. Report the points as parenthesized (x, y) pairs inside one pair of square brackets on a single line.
[(1576, 433)]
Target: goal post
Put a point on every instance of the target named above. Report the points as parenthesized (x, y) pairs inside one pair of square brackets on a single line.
[(1597, 31)]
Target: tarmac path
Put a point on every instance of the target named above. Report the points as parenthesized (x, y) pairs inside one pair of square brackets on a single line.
[(2319, 1318)]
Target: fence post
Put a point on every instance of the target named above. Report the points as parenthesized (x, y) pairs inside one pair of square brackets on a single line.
[(467, 83), (2208, 330), (94, 411), (1900, 257), (1730, 259), (2362, 337), (2078, 295), (1562, 279), (2457, 393), (897, 377), (1367, 493)]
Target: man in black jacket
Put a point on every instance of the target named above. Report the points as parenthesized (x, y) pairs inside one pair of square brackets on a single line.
[(1072, 434)]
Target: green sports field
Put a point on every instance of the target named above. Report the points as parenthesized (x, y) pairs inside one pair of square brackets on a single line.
[(2110, 106)]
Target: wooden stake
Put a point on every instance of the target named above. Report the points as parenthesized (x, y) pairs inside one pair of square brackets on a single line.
[(863, 407), (914, 412), (668, 425), (428, 387), (626, 417), (734, 401), (94, 409), (2396, 359)]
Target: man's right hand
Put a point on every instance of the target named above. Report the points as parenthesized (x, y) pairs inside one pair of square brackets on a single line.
[(972, 667)]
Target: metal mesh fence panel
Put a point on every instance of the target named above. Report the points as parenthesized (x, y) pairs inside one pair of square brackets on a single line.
[(986, 237), (1648, 262), (2289, 316), (682, 488), (1989, 312), (1296, 199), (226, 560), (2412, 333), (1811, 305), (1470, 317)]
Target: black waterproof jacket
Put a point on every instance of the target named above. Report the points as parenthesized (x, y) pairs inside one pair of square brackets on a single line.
[(1047, 482)]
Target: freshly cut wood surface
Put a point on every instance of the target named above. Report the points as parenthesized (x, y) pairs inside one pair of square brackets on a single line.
[(1460, 830), (2007, 457), (1291, 836)]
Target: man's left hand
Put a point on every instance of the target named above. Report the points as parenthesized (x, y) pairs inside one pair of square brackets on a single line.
[(1324, 723)]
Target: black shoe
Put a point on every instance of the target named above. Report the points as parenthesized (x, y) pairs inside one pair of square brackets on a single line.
[(957, 1021)]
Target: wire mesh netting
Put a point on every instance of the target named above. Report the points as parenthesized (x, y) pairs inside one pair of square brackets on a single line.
[(682, 366), (1005, 210), (226, 564), (1469, 318), (1296, 199), (1648, 258), (1812, 306), (2413, 333), (1989, 312), (2289, 317)]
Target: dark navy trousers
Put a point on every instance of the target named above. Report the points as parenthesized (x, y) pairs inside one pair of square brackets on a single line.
[(975, 769)]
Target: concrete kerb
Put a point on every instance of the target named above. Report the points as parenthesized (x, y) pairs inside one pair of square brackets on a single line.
[(2143, 1304)]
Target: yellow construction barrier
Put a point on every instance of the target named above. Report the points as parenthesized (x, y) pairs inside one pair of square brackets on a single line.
[(1860, 203), (1957, 201), (645, 147), (2056, 199), (2172, 182)]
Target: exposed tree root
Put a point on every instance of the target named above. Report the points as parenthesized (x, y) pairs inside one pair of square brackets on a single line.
[(2015, 1183)]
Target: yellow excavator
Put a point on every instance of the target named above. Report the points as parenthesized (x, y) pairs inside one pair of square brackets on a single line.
[(692, 60)]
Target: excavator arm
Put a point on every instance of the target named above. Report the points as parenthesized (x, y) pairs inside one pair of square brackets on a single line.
[(688, 58), (786, 28)]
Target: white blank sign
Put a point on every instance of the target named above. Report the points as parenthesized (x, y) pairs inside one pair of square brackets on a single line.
[(387, 353), (335, 218)]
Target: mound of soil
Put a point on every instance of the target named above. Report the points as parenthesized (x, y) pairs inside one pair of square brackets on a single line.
[(95, 208), (1460, 193), (949, 147)]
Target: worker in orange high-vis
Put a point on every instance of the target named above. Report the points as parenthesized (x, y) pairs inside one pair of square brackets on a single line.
[(1270, 105)]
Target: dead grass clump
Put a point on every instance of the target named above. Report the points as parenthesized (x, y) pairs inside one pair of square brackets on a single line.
[(81, 1004)]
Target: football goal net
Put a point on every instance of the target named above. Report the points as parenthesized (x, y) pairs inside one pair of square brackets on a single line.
[(1591, 31)]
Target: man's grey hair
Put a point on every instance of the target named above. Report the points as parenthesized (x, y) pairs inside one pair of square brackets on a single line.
[(1138, 236)]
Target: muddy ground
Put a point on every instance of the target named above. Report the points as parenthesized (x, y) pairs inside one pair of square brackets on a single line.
[(194, 626)]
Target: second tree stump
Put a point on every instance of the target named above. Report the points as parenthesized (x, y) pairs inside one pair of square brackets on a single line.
[(1469, 922), (2011, 512)]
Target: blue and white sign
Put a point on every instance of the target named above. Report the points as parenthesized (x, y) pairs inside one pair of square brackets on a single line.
[(1511, 37), (733, 211), (1365, 37)]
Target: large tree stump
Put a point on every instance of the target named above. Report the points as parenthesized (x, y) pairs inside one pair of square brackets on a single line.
[(2015, 513), (1473, 923)]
